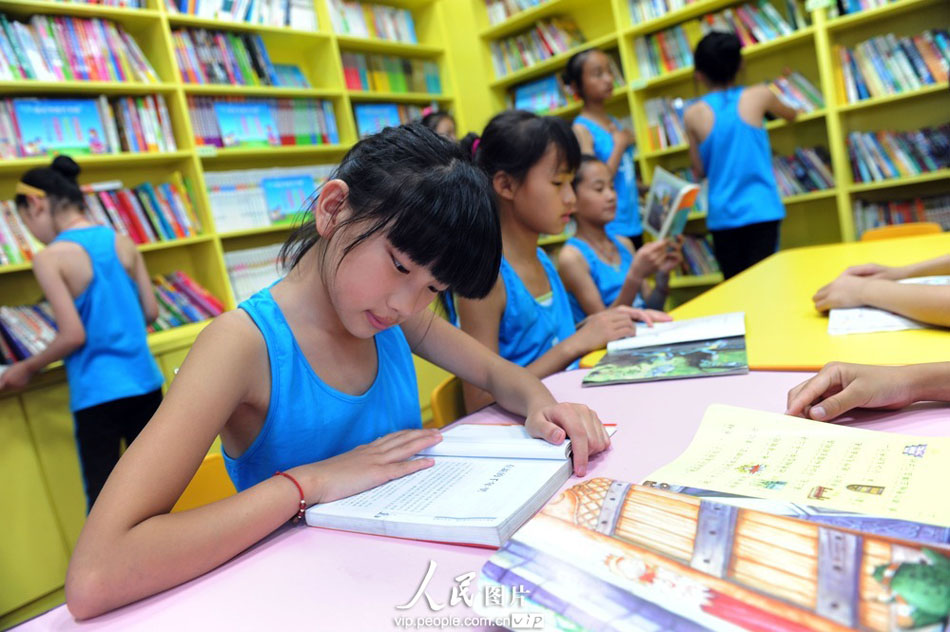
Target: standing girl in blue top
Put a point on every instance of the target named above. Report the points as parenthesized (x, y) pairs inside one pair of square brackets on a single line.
[(600, 270), (98, 288), (526, 316), (729, 146), (589, 75), (313, 376)]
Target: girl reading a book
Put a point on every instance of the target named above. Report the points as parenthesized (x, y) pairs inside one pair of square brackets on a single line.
[(98, 288), (600, 270), (312, 377), (526, 316), (591, 74), (729, 146)]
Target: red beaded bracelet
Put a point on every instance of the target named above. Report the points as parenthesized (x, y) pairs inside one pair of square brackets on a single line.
[(303, 503)]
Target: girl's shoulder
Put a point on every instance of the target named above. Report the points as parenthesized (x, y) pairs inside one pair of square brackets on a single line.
[(570, 255), (233, 337), (625, 242)]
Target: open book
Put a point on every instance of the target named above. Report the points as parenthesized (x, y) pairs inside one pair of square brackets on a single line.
[(866, 320), (668, 204), (486, 481)]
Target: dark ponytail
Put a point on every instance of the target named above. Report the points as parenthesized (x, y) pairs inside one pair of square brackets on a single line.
[(573, 74), (718, 56), (58, 181)]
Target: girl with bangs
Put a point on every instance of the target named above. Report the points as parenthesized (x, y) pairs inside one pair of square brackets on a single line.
[(312, 377)]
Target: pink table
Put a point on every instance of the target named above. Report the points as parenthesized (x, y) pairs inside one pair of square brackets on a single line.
[(316, 579)]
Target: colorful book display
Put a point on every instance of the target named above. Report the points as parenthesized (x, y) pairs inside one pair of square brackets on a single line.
[(885, 155), (25, 330), (798, 92), (663, 52), (665, 121), (549, 93), (838, 8), (62, 48), (386, 73), (872, 214), (698, 257), (808, 169), (753, 23), (372, 117), (298, 14), (500, 10), (888, 64), (17, 244), (252, 269), (646, 10), (219, 57), (241, 122), (377, 21), (545, 39)]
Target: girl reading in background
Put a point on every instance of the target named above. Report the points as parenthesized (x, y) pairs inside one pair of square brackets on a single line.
[(588, 73), (729, 147), (98, 288), (313, 378), (600, 270), (441, 123), (526, 317)]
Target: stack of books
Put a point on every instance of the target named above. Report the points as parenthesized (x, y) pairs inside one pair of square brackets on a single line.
[(545, 39), (665, 121), (231, 59), (181, 300), (752, 23), (871, 214), (25, 330), (252, 269), (798, 92), (808, 169), (39, 127), (385, 73), (884, 155), (60, 48), (373, 117), (258, 198), (698, 257), (500, 10), (298, 14), (646, 10), (847, 7), (240, 122), (887, 64), (372, 20), (147, 213), (17, 244), (663, 52)]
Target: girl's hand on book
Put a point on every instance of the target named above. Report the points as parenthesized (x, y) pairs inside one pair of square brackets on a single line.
[(840, 386), (611, 324), (16, 376), (845, 291), (366, 466), (574, 421), (874, 271), (650, 316)]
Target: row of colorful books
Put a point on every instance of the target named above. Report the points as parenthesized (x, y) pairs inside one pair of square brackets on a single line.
[(17, 244), (808, 169), (58, 48), (240, 122), (798, 92), (872, 214), (644, 10), (887, 64), (665, 121), (501, 10), (385, 73), (838, 8), (884, 155), (299, 14), (755, 23), (372, 117), (37, 127), (372, 20), (698, 257), (25, 330), (545, 39), (240, 59), (257, 198), (181, 300), (122, 4), (549, 93), (252, 269), (662, 52), (147, 213)]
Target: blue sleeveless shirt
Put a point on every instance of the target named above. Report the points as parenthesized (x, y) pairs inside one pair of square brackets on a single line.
[(529, 329), (627, 220), (308, 420), (737, 160), (115, 360), (608, 279)]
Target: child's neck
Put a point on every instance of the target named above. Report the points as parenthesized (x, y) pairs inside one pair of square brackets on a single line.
[(304, 293), (593, 233), (519, 242), (719, 87), (68, 220), (595, 110)]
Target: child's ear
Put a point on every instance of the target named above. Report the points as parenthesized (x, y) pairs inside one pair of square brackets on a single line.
[(330, 208), (504, 185)]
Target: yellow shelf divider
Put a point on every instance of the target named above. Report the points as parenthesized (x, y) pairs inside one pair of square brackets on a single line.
[(275, 92), (697, 280), (894, 98), (932, 176), (404, 97), (369, 45), (552, 63)]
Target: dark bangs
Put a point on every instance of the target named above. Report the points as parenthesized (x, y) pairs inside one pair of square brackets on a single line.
[(515, 140)]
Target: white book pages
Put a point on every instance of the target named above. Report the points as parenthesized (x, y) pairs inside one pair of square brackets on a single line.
[(866, 320), (687, 330)]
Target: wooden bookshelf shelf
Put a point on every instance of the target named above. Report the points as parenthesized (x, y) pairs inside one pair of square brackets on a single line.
[(209, 89), (215, 154), (174, 243), (179, 20), (523, 20), (24, 9), (551, 64), (802, 118), (398, 97), (15, 267), (369, 45), (881, 13), (573, 109), (676, 76), (33, 87), (894, 98), (666, 151), (679, 16), (809, 197), (699, 280), (123, 160), (264, 230), (933, 176), (163, 341)]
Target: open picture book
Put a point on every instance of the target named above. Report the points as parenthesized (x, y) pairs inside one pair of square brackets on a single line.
[(486, 482), (668, 204), (866, 320)]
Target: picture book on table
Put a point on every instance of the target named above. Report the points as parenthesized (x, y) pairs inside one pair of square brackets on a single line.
[(866, 320), (247, 124), (668, 204), (698, 347), (54, 126), (286, 196), (610, 555)]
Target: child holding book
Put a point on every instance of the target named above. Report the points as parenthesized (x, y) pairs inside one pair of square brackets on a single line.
[(98, 288), (440, 122), (877, 286), (589, 74), (600, 270), (312, 378), (526, 317), (729, 147)]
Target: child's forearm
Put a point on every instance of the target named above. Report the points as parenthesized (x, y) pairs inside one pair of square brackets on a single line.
[(926, 303), (628, 291), (60, 347), (518, 390), (932, 267), (930, 382)]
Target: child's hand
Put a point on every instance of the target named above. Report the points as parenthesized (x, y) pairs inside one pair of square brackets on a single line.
[(671, 260), (16, 376), (840, 386), (650, 316), (610, 324), (845, 291), (874, 271), (622, 137), (648, 259), (366, 466), (580, 424)]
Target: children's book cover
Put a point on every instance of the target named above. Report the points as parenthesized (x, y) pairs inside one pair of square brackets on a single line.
[(699, 358), (247, 124), (668, 204), (286, 197), (609, 555), (55, 126), (373, 117)]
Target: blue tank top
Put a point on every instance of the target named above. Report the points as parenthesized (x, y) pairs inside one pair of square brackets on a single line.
[(627, 220), (115, 360), (529, 329), (308, 420), (737, 160), (608, 278)]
